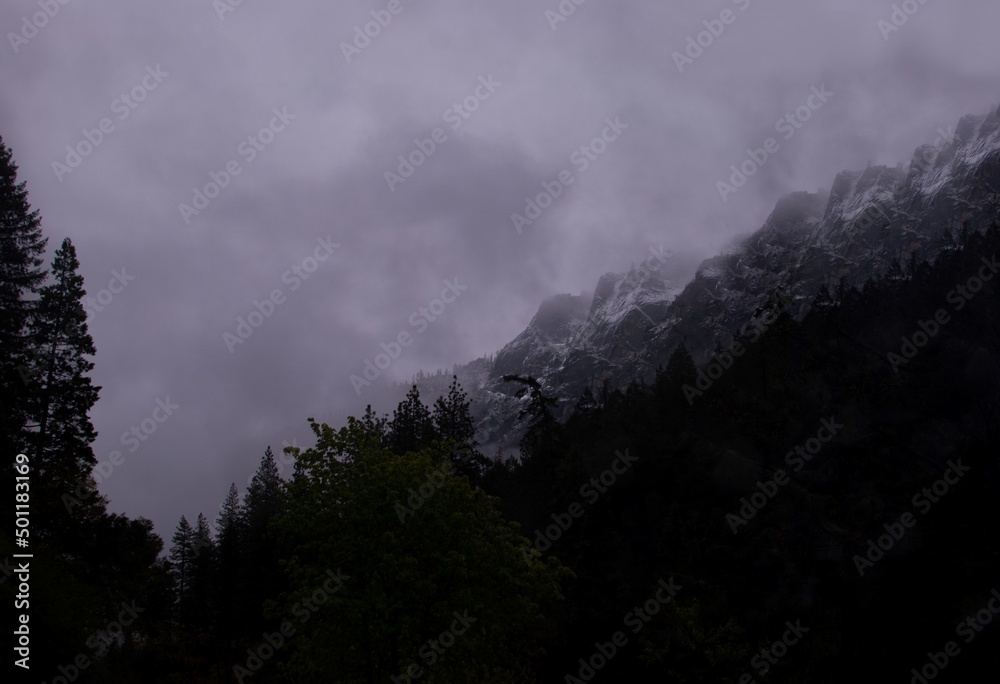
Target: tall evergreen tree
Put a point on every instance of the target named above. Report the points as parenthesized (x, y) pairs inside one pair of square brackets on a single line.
[(823, 301), (62, 394), (376, 425), (543, 429), (265, 500), (679, 374), (229, 549), (202, 575), (411, 427), (181, 556), (265, 496), (21, 249), (453, 421)]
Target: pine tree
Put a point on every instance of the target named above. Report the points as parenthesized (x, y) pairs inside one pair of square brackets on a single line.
[(681, 369), (895, 272), (453, 421), (543, 431), (181, 555), (265, 496), (823, 301), (229, 550), (62, 393), (201, 581), (375, 424), (586, 405), (411, 427), (265, 501), (227, 525), (21, 249)]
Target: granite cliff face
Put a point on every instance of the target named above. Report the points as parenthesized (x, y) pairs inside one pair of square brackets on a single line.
[(871, 223)]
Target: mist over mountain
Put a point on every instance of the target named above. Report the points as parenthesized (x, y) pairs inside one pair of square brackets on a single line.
[(870, 223)]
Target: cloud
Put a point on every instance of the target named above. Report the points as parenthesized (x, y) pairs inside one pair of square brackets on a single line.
[(323, 176)]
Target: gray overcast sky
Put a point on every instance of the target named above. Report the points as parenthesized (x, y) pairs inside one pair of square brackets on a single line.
[(208, 84)]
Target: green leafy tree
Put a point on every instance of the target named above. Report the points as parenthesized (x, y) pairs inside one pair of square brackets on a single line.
[(409, 574)]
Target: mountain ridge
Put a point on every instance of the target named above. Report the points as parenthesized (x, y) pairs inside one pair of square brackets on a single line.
[(870, 224)]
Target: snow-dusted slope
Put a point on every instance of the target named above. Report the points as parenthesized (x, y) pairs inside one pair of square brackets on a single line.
[(632, 323)]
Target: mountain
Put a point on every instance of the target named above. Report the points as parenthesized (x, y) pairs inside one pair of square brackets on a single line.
[(872, 224)]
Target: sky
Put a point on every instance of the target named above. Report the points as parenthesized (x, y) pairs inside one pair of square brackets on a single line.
[(264, 196)]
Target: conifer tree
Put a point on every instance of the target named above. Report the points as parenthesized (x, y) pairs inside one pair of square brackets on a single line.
[(586, 405), (894, 272), (21, 249), (543, 431), (229, 550), (411, 427), (265, 496), (453, 421), (823, 300), (62, 393), (181, 555), (265, 500), (676, 383), (202, 573), (377, 425)]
